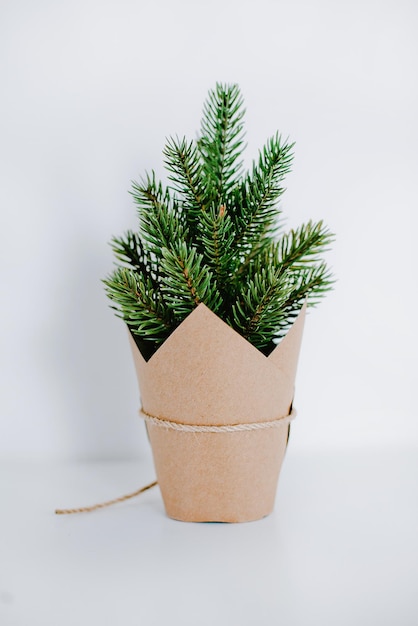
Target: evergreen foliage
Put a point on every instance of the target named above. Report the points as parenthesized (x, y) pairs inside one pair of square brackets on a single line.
[(214, 235)]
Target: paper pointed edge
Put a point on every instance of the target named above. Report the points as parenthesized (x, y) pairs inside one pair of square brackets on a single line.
[(286, 355), (207, 373), (202, 313)]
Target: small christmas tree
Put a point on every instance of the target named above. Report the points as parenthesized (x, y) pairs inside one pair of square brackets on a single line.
[(213, 235)]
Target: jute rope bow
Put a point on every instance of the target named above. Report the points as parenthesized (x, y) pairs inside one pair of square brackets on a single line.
[(185, 428)]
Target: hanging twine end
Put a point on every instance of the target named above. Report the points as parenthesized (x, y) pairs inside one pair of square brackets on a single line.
[(94, 507)]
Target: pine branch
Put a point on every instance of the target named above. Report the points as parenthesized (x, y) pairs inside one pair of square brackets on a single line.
[(186, 281), (182, 160), (131, 253), (302, 245), (215, 237), (259, 312), (212, 236), (139, 305), (294, 262), (160, 218), (254, 201), (296, 249), (311, 283), (221, 141), (273, 300)]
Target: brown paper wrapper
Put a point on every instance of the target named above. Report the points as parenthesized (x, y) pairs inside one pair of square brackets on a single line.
[(205, 373)]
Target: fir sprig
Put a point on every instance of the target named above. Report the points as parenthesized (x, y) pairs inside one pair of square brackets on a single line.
[(257, 195), (214, 236), (139, 304), (182, 160), (303, 245), (221, 141), (260, 310), (160, 219), (186, 281), (130, 251)]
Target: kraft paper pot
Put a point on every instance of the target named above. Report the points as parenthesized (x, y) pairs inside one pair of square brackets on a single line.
[(205, 376)]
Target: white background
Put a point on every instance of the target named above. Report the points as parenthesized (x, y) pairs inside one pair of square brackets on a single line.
[(90, 89), (89, 92)]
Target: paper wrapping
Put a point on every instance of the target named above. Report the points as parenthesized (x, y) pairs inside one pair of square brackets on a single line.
[(205, 373)]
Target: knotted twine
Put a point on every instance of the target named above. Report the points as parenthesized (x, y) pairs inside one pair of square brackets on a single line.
[(185, 428)]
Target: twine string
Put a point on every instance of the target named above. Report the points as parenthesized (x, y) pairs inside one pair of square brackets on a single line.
[(94, 507), (227, 428), (186, 428)]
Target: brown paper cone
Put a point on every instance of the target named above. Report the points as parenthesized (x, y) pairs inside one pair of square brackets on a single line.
[(205, 373)]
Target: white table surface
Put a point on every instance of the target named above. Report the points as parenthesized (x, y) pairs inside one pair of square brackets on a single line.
[(340, 549)]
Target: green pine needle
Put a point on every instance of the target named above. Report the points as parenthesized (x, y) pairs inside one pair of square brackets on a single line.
[(182, 160), (139, 305), (214, 235), (221, 141), (186, 281)]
